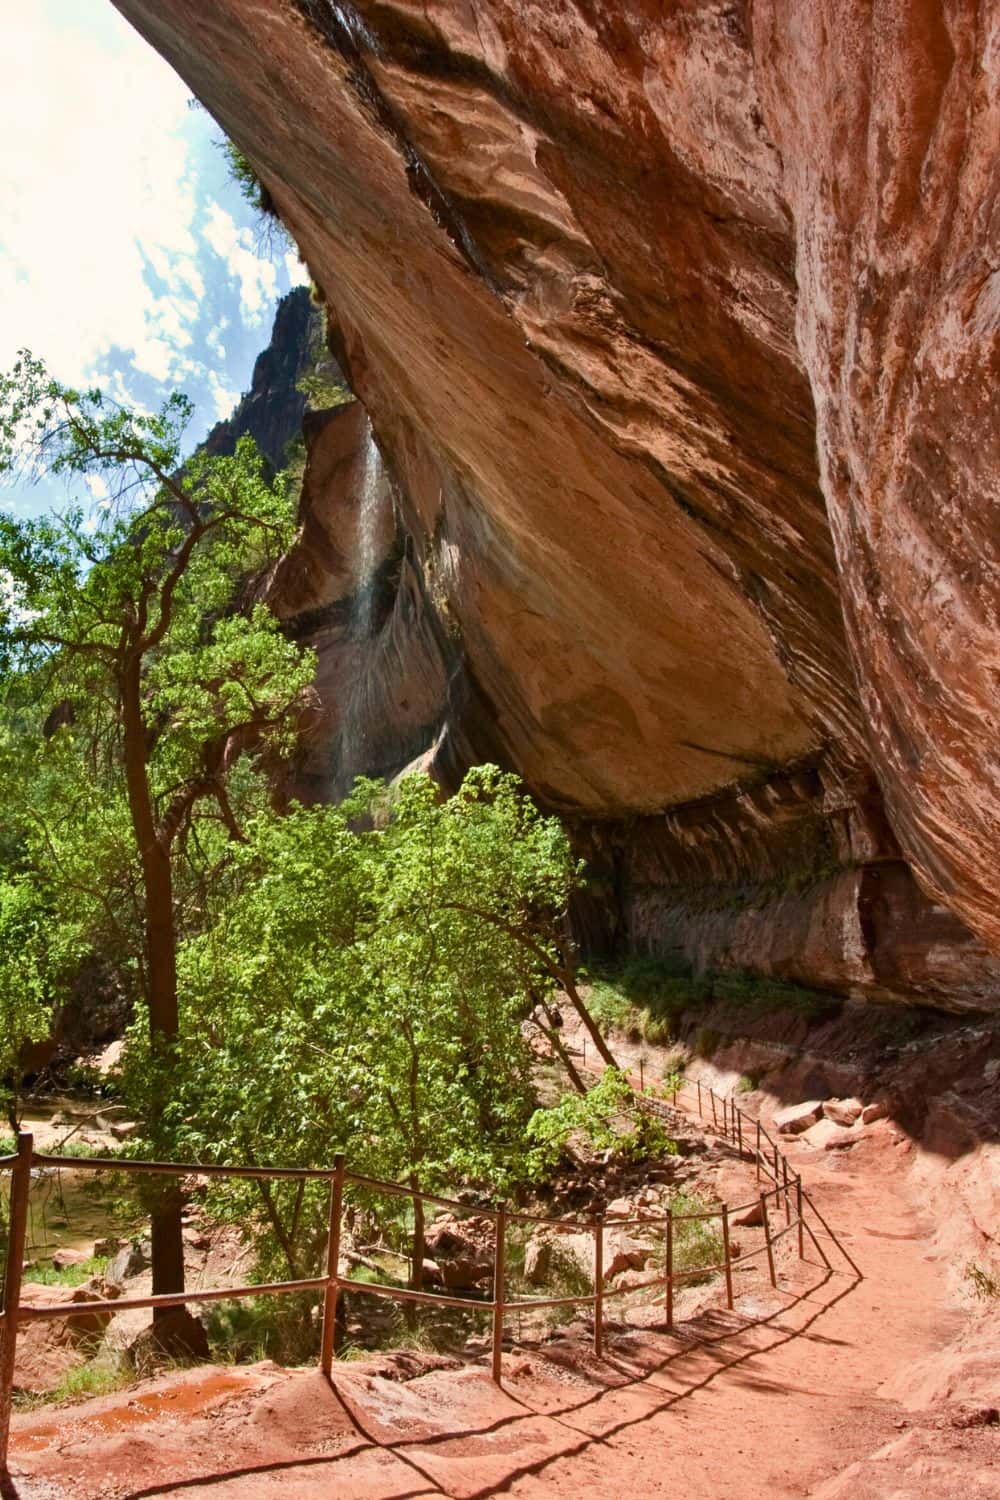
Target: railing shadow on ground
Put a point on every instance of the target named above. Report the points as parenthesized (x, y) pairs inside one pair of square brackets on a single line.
[(698, 1339), (768, 1163)]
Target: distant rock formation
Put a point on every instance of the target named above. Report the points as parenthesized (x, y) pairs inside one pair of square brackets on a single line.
[(272, 410), (676, 333)]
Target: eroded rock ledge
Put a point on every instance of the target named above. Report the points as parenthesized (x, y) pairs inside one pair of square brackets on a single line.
[(607, 281)]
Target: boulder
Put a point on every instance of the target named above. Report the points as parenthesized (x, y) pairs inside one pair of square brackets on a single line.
[(620, 1208), (748, 1218), (842, 1111), (631, 1279), (462, 1250), (795, 1118), (177, 1334), (109, 1060), (63, 1259), (432, 1273), (131, 1260), (877, 1110), (537, 1259), (465, 1272), (47, 1351), (827, 1136), (622, 1253)]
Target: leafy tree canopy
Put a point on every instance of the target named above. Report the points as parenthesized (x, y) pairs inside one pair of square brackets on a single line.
[(350, 997)]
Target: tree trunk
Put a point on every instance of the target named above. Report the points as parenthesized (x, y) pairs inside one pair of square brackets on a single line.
[(418, 1249), (551, 1035), (161, 974), (577, 1002)]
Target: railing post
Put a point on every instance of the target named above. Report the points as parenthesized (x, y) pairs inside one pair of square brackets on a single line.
[(777, 1170), (739, 1132), (715, 1114), (599, 1286), (670, 1268), (499, 1289), (642, 1076), (726, 1253), (798, 1202), (20, 1188), (767, 1238), (757, 1157), (788, 1201), (700, 1112), (331, 1294)]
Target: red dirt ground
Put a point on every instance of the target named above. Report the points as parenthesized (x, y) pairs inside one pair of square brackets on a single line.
[(787, 1396)]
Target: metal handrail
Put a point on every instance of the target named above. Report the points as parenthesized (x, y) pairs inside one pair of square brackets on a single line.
[(13, 1312)]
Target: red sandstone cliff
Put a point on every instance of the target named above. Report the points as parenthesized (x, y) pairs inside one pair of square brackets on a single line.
[(676, 325)]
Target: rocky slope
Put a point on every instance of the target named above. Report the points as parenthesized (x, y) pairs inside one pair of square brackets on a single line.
[(674, 482)]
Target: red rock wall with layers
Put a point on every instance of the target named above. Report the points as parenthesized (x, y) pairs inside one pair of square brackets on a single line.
[(607, 279)]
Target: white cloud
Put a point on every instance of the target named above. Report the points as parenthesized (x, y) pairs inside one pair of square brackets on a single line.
[(258, 278), (111, 241), (222, 396), (95, 182)]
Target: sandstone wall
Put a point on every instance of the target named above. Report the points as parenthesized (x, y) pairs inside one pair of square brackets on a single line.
[(675, 326)]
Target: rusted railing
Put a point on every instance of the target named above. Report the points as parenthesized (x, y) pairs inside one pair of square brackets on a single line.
[(729, 1122)]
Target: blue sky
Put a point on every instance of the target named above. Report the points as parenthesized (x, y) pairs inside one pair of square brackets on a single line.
[(127, 257)]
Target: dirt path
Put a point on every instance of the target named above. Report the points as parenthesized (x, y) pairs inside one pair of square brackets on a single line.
[(774, 1400)]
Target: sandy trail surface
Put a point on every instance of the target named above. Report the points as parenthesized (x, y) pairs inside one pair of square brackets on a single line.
[(786, 1396)]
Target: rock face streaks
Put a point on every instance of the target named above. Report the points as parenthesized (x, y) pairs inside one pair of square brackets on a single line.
[(888, 119), (606, 278)]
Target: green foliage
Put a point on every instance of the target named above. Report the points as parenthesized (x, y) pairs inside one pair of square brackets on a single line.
[(26, 962), (607, 1117), (49, 1275), (362, 990), (322, 382), (706, 1040), (671, 1081), (124, 633), (106, 1373), (255, 1328), (697, 1241), (646, 999), (243, 174), (759, 996)]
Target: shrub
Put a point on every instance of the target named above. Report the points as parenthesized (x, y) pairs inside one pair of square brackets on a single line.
[(984, 1285), (607, 1117)]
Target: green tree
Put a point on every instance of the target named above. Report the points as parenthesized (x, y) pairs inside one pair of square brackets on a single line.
[(348, 998), (26, 961), (131, 637)]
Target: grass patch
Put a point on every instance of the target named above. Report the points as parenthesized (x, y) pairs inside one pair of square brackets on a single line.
[(249, 1329), (759, 996), (645, 1000), (101, 1376), (697, 1242), (50, 1275)]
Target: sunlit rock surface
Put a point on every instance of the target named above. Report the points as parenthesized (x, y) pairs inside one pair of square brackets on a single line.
[(675, 329)]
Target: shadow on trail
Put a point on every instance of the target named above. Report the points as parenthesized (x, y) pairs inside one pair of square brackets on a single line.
[(705, 1335)]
